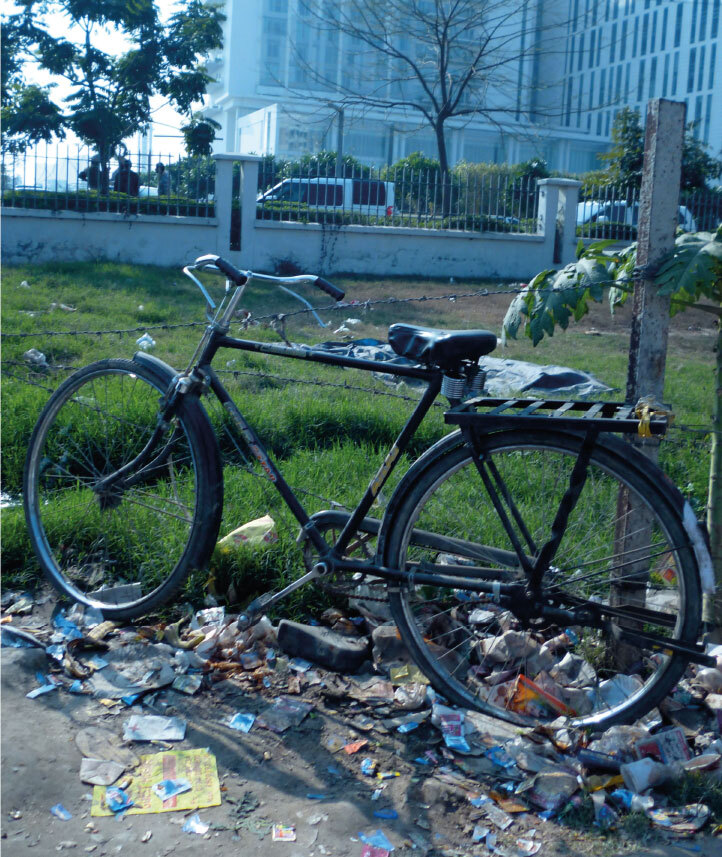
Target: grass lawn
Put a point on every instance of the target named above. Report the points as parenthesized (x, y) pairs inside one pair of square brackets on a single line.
[(314, 429)]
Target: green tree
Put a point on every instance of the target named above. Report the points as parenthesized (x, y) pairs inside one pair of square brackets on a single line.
[(624, 160), (691, 275), (110, 93)]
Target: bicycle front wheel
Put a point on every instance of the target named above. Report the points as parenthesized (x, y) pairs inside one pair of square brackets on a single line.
[(125, 550), (624, 556)]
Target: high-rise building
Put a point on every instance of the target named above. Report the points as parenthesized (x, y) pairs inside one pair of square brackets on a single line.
[(569, 66)]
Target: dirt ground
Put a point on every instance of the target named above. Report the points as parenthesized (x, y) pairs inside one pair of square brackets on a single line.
[(266, 779)]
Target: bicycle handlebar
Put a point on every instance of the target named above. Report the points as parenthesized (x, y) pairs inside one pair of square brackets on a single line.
[(242, 277)]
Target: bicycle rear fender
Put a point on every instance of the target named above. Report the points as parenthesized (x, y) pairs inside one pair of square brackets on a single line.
[(614, 446)]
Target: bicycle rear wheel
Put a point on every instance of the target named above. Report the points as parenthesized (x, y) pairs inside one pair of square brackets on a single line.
[(125, 551), (483, 656)]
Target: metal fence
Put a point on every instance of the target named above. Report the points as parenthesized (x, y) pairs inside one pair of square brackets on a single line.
[(57, 178), (611, 212), (467, 201)]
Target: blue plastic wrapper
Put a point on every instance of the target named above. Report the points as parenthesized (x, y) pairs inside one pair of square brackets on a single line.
[(116, 799), (68, 629), (167, 789), (377, 839), (60, 812), (242, 721)]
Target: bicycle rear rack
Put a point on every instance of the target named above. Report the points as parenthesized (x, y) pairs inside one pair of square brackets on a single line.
[(557, 413)]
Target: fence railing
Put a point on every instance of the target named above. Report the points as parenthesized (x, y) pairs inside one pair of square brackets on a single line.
[(612, 212), (75, 180), (423, 199)]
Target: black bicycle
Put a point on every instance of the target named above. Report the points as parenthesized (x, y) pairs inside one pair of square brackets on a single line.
[(534, 564)]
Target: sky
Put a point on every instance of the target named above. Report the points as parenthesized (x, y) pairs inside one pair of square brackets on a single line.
[(167, 142)]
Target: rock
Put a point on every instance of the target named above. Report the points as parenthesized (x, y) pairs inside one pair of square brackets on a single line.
[(388, 646), (323, 646)]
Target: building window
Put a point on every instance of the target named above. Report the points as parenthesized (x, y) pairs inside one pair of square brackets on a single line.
[(663, 35), (581, 53), (652, 77), (707, 118), (635, 37), (697, 130), (618, 88), (700, 76), (627, 72), (675, 73), (703, 20), (653, 37), (665, 77), (599, 124), (678, 25), (602, 83), (592, 37), (607, 123), (645, 33), (623, 41), (712, 61), (640, 80), (693, 28), (714, 27), (613, 44), (691, 68), (599, 46)]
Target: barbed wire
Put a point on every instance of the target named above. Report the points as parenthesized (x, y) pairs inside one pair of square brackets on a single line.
[(673, 427), (341, 305)]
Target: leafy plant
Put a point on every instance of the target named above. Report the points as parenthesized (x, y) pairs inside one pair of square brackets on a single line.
[(691, 276)]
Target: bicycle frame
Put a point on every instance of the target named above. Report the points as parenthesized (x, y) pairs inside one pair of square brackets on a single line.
[(200, 377)]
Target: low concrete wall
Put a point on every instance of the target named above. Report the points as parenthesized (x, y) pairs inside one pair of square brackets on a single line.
[(45, 236), (391, 251), (31, 235)]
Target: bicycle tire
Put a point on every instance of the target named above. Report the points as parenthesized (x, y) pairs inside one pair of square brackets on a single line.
[(128, 552), (443, 493)]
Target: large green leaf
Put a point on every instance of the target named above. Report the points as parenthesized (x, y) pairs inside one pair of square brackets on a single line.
[(693, 270)]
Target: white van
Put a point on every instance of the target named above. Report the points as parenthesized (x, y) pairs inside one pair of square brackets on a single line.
[(365, 196), (613, 211)]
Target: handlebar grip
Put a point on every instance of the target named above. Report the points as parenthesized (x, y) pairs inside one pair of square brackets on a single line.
[(336, 293), (230, 271)]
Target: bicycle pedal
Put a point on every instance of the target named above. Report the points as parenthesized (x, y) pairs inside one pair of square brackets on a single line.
[(253, 611)]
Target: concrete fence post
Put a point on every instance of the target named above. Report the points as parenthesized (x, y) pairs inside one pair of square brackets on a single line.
[(224, 201), (247, 195), (557, 218)]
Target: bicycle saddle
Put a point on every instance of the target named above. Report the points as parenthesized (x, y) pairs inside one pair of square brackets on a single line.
[(442, 348)]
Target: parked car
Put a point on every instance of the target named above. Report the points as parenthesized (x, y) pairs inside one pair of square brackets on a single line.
[(367, 196), (614, 211)]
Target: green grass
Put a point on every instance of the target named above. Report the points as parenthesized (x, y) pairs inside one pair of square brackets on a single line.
[(313, 430)]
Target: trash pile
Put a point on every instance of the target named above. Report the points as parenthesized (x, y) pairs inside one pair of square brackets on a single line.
[(505, 783)]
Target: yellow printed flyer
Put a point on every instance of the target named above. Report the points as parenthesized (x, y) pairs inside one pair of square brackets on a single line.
[(196, 766)]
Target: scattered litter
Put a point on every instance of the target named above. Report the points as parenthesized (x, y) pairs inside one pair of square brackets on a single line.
[(355, 746), (100, 772), (386, 813), (187, 683), (377, 839), (407, 674), (258, 532), (371, 851), (60, 812), (17, 638), (479, 833), (284, 713), (646, 773), (198, 767), (43, 689), (242, 721), (116, 800), (685, 821), (147, 836), (95, 742), (193, 824), (668, 745), (281, 833), (35, 358), (167, 789), (528, 846), (145, 341), (151, 727), (369, 766)]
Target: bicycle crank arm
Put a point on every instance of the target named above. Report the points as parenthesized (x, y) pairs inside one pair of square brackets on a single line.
[(258, 606)]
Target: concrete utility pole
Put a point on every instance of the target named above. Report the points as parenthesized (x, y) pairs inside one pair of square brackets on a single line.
[(657, 224), (658, 218)]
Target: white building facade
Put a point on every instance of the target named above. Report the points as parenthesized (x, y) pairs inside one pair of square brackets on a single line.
[(574, 64)]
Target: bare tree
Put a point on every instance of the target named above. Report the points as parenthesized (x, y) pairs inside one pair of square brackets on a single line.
[(436, 59)]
